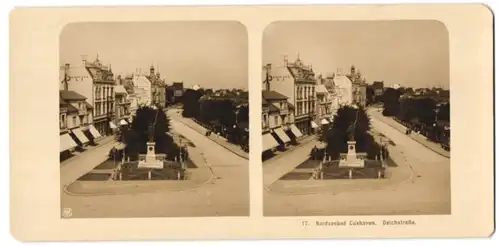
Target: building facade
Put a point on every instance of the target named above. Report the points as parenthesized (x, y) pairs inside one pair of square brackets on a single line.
[(75, 121), (323, 105), (343, 90), (158, 93), (297, 82), (96, 83), (123, 103), (142, 89), (378, 88), (278, 128), (358, 87)]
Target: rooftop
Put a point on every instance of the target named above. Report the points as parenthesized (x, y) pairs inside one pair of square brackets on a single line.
[(273, 95), (70, 95)]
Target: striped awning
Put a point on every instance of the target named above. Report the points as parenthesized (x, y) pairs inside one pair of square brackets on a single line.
[(314, 125), (112, 125), (123, 122), (66, 142), (268, 142), (94, 132), (282, 135), (79, 134), (295, 131)]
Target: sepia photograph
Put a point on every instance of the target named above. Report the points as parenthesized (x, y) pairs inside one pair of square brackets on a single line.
[(251, 122), (356, 118), (154, 119)]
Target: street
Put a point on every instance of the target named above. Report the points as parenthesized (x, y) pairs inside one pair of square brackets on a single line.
[(422, 187), (228, 195)]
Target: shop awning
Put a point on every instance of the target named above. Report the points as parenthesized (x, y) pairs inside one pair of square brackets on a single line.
[(119, 146), (282, 135), (66, 142), (123, 122), (81, 137), (295, 131), (324, 122), (94, 132), (268, 142), (313, 124), (112, 125)]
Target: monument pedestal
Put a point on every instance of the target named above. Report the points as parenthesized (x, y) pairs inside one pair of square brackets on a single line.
[(150, 160), (351, 158)]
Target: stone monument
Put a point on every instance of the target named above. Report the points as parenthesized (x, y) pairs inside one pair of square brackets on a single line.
[(151, 159), (351, 159)]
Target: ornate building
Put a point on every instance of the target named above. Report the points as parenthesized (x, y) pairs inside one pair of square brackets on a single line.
[(358, 87), (96, 83), (297, 82), (158, 96)]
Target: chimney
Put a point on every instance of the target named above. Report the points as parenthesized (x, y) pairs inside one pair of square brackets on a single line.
[(66, 68)]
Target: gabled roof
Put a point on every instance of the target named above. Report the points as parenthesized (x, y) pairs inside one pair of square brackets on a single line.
[(273, 95), (71, 95), (273, 108), (71, 108)]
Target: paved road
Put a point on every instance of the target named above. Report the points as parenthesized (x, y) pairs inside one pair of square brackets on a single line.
[(426, 191), (275, 169), (227, 196)]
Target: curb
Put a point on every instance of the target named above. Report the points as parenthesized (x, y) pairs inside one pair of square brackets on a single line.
[(65, 189), (238, 154)]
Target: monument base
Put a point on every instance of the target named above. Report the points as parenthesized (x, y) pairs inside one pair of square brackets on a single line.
[(352, 163)]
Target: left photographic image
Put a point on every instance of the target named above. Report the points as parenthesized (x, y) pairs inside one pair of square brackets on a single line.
[(154, 119)]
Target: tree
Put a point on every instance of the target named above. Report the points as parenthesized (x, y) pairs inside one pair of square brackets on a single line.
[(338, 135), (137, 135), (243, 114), (370, 95), (444, 112), (190, 100), (390, 98)]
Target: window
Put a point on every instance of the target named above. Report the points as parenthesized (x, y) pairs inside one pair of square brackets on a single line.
[(276, 120), (74, 121), (281, 105), (62, 122)]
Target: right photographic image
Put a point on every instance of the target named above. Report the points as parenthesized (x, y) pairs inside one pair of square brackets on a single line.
[(356, 118)]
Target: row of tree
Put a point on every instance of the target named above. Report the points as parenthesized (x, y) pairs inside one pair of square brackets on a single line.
[(222, 115), (424, 113)]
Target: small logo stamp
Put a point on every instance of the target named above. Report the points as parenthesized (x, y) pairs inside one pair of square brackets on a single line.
[(67, 212)]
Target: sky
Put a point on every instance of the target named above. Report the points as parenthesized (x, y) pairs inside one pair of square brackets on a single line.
[(212, 54), (407, 52)]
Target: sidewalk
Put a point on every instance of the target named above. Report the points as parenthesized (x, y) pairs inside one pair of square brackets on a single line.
[(278, 167), (217, 139), (291, 148), (75, 167), (417, 137), (89, 148)]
